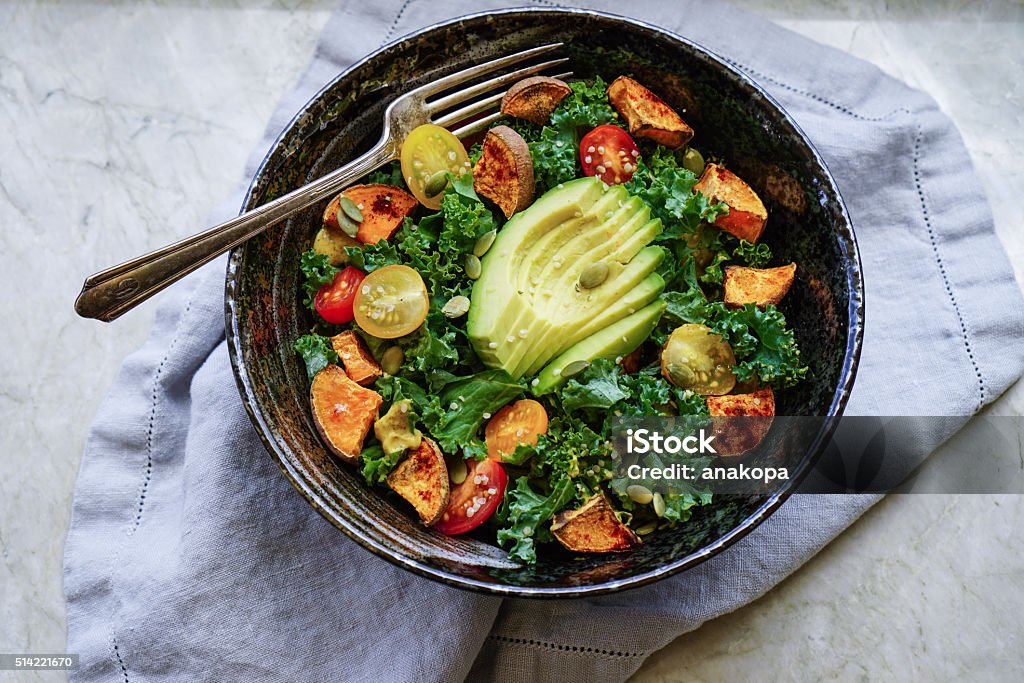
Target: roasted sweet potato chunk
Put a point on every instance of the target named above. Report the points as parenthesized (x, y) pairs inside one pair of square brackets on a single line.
[(759, 286), (593, 528), (384, 207), (504, 173), (534, 99), (741, 421), (422, 479), (747, 214), (356, 358), (647, 114), (343, 411)]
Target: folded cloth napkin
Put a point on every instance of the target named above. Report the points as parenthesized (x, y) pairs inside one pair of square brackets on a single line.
[(191, 558)]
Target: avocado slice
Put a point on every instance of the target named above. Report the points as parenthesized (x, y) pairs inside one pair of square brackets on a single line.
[(527, 306), (497, 299), (613, 341), (636, 286)]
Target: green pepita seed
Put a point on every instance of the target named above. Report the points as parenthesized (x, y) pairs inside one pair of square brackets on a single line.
[(435, 184), (693, 161), (457, 470), (484, 243), (639, 494), (350, 209), (391, 361), (347, 225), (574, 368), (659, 504), (594, 275), (456, 306), (646, 529), (680, 375), (473, 267)]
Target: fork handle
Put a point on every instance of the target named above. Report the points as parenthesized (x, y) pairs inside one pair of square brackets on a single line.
[(110, 293)]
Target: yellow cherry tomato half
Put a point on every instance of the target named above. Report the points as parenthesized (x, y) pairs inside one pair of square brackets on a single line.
[(391, 302), (428, 150), (696, 358)]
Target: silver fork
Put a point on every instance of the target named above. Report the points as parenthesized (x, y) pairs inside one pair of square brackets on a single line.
[(112, 292)]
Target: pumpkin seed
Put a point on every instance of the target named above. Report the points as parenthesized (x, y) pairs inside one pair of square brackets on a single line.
[(681, 375), (435, 184), (639, 494), (350, 209), (594, 275), (456, 306), (391, 361), (574, 368), (659, 504), (646, 529), (693, 161), (347, 225), (457, 470), (473, 266), (484, 243)]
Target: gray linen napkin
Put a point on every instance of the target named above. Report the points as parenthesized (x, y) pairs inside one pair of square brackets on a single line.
[(191, 558)]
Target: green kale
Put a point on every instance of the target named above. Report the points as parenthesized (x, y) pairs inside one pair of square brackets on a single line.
[(377, 464), (554, 147), (524, 515), (465, 401), (764, 347), (316, 351), (317, 271), (754, 255), (388, 175), (370, 257)]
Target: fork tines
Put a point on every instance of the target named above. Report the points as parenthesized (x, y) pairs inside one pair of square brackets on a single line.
[(493, 89)]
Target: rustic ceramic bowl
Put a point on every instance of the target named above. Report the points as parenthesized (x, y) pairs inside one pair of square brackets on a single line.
[(735, 120)]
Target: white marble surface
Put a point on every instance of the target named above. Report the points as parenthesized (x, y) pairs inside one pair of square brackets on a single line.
[(112, 145)]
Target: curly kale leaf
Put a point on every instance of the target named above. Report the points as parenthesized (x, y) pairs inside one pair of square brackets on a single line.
[(764, 346), (554, 146), (525, 516), (377, 464), (316, 351), (317, 271), (464, 403), (754, 255), (388, 175)]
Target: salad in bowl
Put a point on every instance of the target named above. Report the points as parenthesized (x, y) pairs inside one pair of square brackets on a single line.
[(484, 314)]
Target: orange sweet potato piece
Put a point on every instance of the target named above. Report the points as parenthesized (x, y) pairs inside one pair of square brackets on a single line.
[(741, 421), (504, 173), (633, 361), (534, 98), (357, 359), (647, 114), (422, 479), (384, 207), (343, 411), (758, 286), (593, 528), (747, 214)]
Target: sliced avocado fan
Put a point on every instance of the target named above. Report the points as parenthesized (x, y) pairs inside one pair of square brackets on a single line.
[(529, 304)]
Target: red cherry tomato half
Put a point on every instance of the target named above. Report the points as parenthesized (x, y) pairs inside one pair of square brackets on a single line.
[(609, 152), (473, 501), (334, 301)]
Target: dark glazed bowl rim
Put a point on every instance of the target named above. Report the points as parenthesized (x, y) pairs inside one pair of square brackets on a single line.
[(855, 329)]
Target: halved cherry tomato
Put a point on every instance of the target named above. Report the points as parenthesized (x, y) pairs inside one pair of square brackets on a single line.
[(516, 423), (473, 501), (428, 150), (391, 302), (609, 152), (334, 300)]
